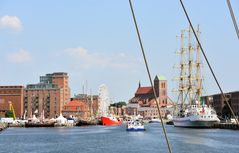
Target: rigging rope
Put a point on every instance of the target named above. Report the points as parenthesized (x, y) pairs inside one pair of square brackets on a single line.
[(233, 17), (149, 75), (214, 76)]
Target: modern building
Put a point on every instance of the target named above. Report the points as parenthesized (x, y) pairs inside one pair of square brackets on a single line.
[(47, 97), (220, 105), (13, 94), (61, 80), (144, 102)]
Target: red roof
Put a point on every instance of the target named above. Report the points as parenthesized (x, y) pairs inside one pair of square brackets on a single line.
[(144, 90), (74, 103)]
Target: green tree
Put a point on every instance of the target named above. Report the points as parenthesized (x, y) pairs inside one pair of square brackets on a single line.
[(119, 104), (9, 114)]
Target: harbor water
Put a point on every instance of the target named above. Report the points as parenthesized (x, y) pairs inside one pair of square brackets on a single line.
[(116, 139)]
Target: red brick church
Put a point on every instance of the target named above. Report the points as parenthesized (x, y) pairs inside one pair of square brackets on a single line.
[(144, 103)]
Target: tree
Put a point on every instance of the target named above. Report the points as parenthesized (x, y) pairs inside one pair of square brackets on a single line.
[(119, 104), (9, 113)]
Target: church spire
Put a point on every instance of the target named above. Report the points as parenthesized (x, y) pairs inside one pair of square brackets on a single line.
[(139, 84)]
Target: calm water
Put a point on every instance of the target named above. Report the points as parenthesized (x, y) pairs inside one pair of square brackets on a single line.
[(99, 139)]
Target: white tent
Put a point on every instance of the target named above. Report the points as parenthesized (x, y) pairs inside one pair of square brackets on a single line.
[(52, 119), (61, 119)]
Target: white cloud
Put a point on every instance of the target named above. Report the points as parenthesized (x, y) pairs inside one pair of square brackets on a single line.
[(12, 22), (22, 56), (87, 59)]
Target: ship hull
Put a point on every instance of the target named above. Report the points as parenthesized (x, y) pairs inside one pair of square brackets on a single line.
[(187, 123), (39, 124), (135, 129), (107, 121), (86, 123)]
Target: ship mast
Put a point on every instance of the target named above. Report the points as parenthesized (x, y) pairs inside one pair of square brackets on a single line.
[(198, 73), (182, 72), (190, 66)]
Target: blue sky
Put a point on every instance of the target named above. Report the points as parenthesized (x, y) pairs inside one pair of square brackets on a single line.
[(96, 41)]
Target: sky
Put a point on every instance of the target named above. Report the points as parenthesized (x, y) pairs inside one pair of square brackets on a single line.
[(96, 41)]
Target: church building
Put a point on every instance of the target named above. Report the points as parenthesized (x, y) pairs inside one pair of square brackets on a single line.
[(144, 102)]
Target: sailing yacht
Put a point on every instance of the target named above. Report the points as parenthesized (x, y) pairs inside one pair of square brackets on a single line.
[(192, 111)]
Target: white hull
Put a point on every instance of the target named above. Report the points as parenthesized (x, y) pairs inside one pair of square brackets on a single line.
[(197, 117), (187, 122), (135, 125)]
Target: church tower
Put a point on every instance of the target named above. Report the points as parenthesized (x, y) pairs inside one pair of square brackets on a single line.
[(161, 89)]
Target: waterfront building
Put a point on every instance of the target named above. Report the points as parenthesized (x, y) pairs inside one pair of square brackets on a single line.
[(47, 97), (60, 79), (144, 102), (219, 104), (87, 105), (75, 108), (132, 109), (13, 94), (118, 111)]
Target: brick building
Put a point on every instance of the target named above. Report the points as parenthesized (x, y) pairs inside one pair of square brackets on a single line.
[(60, 79), (83, 106), (48, 96), (118, 111), (12, 94), (219, 104), (144, 102), (75, 108)]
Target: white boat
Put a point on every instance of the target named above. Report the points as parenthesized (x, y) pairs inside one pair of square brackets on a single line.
[(197, 117), (192, 112), (135, 125), (155, 120)]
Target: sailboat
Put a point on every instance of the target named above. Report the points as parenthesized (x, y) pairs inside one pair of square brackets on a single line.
[(192, 111), (90, 119)]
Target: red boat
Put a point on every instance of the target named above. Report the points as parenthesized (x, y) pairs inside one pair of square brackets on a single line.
[(108, 121)]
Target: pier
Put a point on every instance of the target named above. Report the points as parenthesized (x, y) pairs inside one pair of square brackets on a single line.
[(232, 126)]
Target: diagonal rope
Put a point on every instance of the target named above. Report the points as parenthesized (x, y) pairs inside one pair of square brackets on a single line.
[(233, 17), (149, 75), (214, 76)]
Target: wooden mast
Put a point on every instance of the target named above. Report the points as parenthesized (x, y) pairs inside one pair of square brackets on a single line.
[(190, 66), (198, 73), (182, 72)]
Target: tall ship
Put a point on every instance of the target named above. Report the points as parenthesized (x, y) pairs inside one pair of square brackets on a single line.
[(191, 111)]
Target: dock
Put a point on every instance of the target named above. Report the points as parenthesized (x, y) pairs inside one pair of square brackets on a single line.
[(232, 126)]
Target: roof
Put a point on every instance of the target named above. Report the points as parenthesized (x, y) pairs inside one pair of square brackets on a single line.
[(74, 103), (160, 77), (144, 90)]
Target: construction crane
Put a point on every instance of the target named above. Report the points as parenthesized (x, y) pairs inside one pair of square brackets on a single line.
[(12, 110)]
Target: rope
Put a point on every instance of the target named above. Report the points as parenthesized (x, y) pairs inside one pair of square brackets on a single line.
[(214, 76), (149, 75), (233, 17)]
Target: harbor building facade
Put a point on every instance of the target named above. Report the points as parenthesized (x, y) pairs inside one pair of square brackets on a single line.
[(82, 106), (75, 108), (118, 111), (47, 97), (144, 102), (13, 94), (61, 79), (220, 105)]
